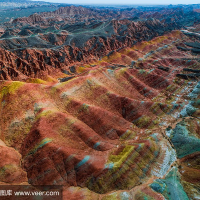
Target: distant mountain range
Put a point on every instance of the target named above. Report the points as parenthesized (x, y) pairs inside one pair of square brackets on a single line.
[(101, 100)]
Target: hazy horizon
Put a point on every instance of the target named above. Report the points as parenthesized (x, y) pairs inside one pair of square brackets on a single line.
[(124, 2)]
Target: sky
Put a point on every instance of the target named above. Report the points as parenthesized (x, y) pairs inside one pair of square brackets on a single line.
[(123, 2)]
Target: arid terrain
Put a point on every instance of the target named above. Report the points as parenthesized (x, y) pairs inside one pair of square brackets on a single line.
[(102, 101)]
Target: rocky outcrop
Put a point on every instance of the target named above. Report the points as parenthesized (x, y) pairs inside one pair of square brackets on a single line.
[(38, 55), (10, 169)]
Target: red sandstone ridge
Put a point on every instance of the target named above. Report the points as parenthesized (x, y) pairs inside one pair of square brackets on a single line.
[(15, 68), (32, 19), (71, 133), (40, 54), (43, 63), (10, 161), (71, 10)]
